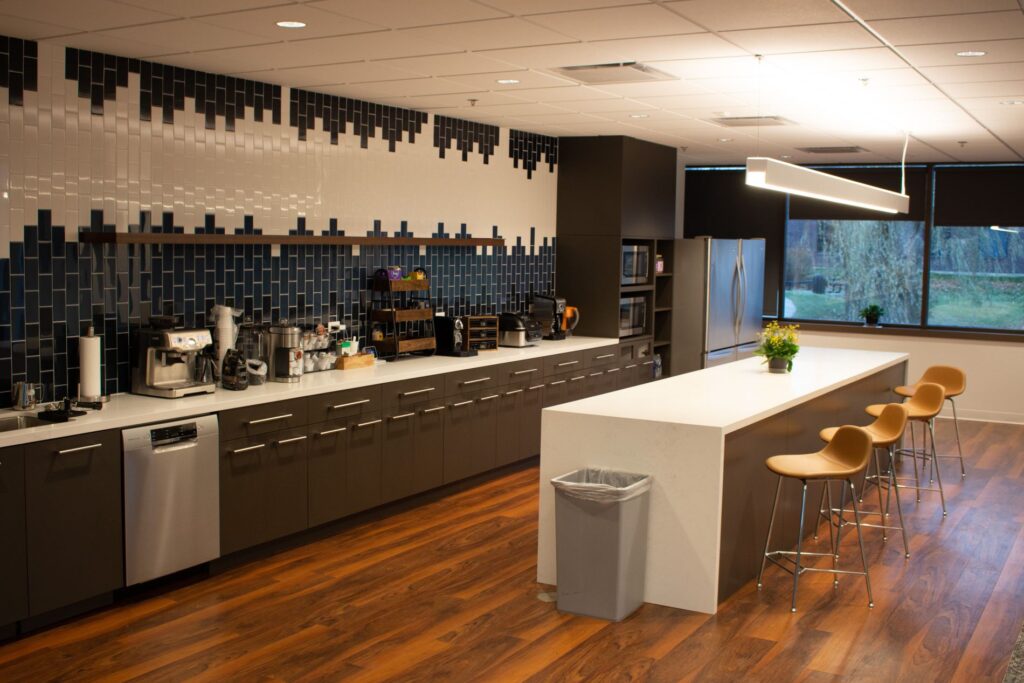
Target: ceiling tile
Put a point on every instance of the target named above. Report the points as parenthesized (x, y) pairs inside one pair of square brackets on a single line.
[(716, 101), (944, 54), (527, 79), (616, 104), (402, 88), (837, 60), (329, 74), (643, 116), (319, 23), (975, 72), (458, 100), (33, 30), (552, 56), (803, 38), (123, 47), (887, 9), (198, 8), (556, 118), (407, 13), (183, 35), (634, 21), (525, 7), (560, 94), (745, 14), (84, 16), (484, 35), (449, 64), (652, 89), (952, 29), (690, 46), (986, 89), (521, 109)]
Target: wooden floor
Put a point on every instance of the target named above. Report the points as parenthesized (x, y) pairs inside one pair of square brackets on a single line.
[(446, 592)]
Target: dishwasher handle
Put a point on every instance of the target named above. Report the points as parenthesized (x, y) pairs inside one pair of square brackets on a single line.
[(182, 446)]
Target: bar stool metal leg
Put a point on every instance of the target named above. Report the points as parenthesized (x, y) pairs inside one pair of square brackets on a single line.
[(899, 508), (956, 428), (799, 543), (913, 456), (840, 523), (768, 538), (938, 473), (860, 541)]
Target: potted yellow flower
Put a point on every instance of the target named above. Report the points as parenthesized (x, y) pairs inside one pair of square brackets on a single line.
[(779, 344)]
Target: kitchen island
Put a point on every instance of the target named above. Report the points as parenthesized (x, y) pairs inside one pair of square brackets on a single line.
[(704, 437)]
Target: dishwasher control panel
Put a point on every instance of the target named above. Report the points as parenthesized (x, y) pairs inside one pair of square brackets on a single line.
[(165, 436)]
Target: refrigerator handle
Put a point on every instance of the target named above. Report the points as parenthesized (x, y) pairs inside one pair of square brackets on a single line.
[(743, 293), (737, 311)]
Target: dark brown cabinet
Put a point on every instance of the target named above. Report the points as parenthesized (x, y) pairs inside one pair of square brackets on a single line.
[(364, 473), (327, 466), (285, 484), (508, 433), (600, 382), (13, 579), (413, 451), (556, 391), (469, 427), (533, 403), (73, 520)]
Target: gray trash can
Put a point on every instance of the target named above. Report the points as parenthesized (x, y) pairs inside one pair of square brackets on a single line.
[(601, 541)]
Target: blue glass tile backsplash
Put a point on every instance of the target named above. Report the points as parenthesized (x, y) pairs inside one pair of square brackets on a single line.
[(52, 289)]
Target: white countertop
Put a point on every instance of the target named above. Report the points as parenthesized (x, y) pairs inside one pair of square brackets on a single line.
[(129, 410), (734, 395)]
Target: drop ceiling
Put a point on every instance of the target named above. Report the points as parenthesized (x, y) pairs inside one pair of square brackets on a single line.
[(860, 77)]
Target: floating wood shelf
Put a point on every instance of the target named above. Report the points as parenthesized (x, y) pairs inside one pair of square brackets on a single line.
[(403, 315), (328, 240)]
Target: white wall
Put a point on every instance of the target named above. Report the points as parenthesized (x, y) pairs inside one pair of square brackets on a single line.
[(995, 369)]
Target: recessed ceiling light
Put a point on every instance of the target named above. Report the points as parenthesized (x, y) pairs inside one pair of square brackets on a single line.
[(291, 24), (638, 116), (508, 81), (1012, 103), (785, 156), (971, 53), (725, 139)]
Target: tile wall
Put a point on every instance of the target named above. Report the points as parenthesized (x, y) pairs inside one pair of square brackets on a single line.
[(106, 143)]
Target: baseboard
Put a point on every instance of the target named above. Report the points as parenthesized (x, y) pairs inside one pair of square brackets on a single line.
[(983, 416)]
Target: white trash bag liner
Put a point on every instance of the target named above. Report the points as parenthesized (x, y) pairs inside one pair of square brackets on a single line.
[(602, 486)]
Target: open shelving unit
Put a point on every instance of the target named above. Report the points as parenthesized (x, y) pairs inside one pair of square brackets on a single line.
[(404, 309)]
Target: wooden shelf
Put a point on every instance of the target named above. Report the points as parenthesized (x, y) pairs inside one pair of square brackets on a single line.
[(636, 289), (663, 309), (659, 344), (403, 285), (327, 240), (405, 315), (386, 347), (663, 274)]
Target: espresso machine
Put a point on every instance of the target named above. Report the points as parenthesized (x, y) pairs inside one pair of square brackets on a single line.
[(556, 320), (170, 362)]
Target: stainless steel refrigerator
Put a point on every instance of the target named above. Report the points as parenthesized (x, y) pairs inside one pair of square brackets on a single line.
[(718, 299)]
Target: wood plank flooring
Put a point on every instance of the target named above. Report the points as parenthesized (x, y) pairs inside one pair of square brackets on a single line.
[(446, 591)]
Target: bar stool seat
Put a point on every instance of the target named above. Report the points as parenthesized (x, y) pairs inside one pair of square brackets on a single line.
[(846, 455), (953, 381), (915, 410)]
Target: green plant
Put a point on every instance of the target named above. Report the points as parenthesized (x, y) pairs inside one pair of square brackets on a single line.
[(779, 341), (872, 313)]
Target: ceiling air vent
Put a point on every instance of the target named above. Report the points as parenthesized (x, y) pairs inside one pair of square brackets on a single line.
[(850, 149), (618, 72), (741, 121)]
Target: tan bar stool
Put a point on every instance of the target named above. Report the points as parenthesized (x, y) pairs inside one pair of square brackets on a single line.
[(845, 456), (886, 432), (922, 407), (953, 382)]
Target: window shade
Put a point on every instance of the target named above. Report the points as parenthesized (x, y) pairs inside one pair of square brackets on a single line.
[(979, 196)]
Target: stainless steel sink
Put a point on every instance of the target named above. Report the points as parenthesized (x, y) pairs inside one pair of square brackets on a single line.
[(9, 424)]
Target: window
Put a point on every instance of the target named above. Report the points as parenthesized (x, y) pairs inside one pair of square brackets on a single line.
[(976, 277), (834, 268)]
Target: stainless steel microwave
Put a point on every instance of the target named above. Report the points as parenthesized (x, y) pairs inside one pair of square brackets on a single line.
[(632, 316), (635, 264)]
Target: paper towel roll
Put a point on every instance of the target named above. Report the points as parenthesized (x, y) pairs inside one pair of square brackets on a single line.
[(89, 354)]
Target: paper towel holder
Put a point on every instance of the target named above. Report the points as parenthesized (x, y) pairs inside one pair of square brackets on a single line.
[(102, 398)]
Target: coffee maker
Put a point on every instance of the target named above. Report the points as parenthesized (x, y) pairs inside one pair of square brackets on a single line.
[(284, 353), (550, 312), (451, 337), (170, 362)]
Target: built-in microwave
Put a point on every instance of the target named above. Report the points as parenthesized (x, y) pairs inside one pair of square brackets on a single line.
[(632, 316), (635, 264)]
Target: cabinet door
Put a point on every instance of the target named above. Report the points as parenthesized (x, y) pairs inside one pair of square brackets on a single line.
[(533, 403), (600, 382), (242, 506), (429, 465), (508, 432), (579, 386), (365, 439), (630, 375), (327, 465), (73, 520), (459, 437), (556, 391), (285, 484), (13, 581), (399, 456), (482, 448)]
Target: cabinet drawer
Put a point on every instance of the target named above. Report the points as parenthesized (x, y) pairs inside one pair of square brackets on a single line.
[(398, 395), (563, 362), (262, 419), (602, 357), (343, 403), (521, 371), (472, 380)]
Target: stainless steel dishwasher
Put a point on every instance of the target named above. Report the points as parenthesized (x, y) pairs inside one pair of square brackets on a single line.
[(171, 497)]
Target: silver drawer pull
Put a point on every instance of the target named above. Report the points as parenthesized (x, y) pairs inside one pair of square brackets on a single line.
[(402, 416), (79, 449), (561, 381), (291, 440), (488, 398), (333, 431), (604, 355), (350, 404), (434, 410), (648, 362), (269, 419), (513, 392), (596, 374), (577, 379), (414, 393), (611, 370), (568, 362), (460, 404), (535, 387), (524, 372), (476, 381), (249, 448), (367, 424), (631, 366)]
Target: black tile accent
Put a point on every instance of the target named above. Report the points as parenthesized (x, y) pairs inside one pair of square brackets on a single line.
[(466, 134), (337, 114), (528, 147), (19, 68)]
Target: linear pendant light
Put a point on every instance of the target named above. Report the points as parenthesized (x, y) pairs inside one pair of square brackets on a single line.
[(772, 174)]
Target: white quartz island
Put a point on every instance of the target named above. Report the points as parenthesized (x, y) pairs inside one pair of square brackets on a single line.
[(704, 437)]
